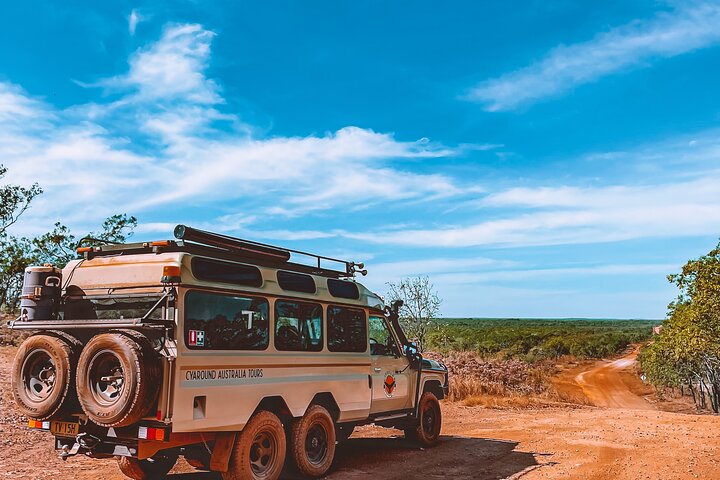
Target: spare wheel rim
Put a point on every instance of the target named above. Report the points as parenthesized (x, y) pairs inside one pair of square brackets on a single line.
[(39, 374), (106, 378)]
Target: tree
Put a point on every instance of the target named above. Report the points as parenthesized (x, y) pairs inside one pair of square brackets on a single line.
[(687, 351), (421, 306), (14, 200)]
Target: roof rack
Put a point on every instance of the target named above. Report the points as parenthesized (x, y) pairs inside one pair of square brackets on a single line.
[(200, 242)]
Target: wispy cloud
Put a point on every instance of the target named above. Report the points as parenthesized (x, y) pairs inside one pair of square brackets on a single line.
[(570, 215), (692, 25), (133, 21), (185, 148)]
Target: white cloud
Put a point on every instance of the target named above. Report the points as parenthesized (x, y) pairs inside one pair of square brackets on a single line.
[(133, 21), (164, 139), (569, 215), (691, 26), (172, 68)]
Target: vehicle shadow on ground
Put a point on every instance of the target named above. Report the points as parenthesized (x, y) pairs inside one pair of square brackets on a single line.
[(453, 457), (398, 459)]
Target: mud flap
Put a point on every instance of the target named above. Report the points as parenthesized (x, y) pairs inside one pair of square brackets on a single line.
[(220, 459)]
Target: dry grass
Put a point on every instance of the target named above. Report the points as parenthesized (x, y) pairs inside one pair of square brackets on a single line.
[(501, 384)]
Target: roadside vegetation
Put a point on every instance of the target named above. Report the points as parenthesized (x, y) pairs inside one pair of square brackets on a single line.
[(685, 357)]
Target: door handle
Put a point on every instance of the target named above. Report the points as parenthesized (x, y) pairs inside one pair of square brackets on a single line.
[(377, 369)]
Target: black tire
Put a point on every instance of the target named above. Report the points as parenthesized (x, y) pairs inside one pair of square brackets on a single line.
[(43, 375), (259, 450), (312, 442), (427, 430), (343, 431), (151, 468), (118, 377)]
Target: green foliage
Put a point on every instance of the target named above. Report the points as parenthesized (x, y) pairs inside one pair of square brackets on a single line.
[(687, 351), (538, 339)]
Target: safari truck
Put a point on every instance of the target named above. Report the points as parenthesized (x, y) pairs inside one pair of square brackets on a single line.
[(242, 357)]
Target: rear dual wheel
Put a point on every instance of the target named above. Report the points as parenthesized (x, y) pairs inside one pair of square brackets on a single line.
[(259, 450), (312, 442)]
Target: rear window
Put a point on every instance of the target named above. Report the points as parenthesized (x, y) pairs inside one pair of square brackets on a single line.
[(343, 289), (216, 321), (298, 326), (226, 272), (296, 282), (346, 330)]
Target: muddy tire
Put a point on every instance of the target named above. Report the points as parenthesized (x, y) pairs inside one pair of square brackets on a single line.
[(259, 450), (148, 469), (118, 377), (312, 442), (43, 375), (427, 430)]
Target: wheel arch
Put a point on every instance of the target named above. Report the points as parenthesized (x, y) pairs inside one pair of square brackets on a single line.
[(434, 386)]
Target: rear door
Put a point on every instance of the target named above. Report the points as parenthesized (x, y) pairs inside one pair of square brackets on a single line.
[(390, 372)]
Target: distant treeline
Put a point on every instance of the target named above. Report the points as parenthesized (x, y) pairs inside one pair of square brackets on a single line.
[(538, 339)]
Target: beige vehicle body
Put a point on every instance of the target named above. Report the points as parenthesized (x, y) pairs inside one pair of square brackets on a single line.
[(277, 339)]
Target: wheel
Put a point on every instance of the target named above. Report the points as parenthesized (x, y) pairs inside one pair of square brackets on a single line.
[(43, 376), (259, 450), (150, 468), (117, 380), (427, 430), (312, 442), (343, 431)]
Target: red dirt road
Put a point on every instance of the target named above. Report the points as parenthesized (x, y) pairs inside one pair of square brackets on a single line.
[(564, 442), (605, 385)]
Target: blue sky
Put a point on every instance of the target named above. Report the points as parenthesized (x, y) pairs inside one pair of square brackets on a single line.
[(554, 159)]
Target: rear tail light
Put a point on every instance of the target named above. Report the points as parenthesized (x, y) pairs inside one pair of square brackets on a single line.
[(151, 433), (38, 424)]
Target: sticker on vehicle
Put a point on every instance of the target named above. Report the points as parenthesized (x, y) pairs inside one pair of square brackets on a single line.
[(196, 338), (389, 385)]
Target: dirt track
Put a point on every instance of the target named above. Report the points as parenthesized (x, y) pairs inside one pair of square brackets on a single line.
[(604, 385), (568, 442)]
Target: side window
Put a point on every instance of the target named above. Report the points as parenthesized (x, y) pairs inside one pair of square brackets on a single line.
[(298, 326), (381, 340), (223, 322), (347, 329)]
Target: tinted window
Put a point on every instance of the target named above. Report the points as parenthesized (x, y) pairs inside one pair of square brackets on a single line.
[(347, 330), (342, 289), (222, 322), (226, 272), (297, 282), (298, 326)]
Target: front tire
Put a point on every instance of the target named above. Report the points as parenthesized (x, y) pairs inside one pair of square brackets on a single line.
[(259, 450), (150, 468), (312, 442), (427, 430)]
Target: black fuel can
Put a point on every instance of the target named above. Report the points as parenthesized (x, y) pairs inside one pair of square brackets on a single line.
[(40, 298)]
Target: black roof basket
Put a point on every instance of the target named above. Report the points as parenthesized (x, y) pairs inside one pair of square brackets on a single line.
[(216, 245)]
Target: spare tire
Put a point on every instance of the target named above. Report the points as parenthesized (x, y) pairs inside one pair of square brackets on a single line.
[(43, 382), (117, 379)]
